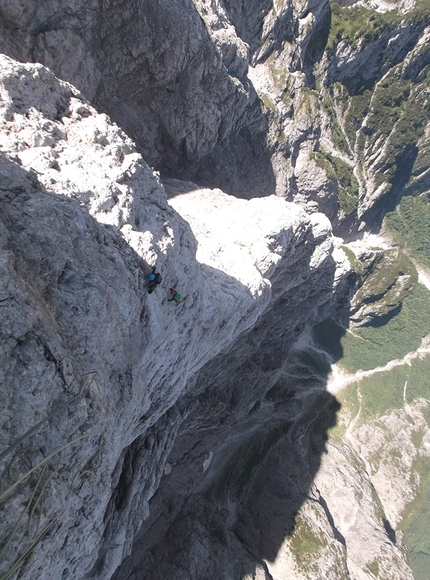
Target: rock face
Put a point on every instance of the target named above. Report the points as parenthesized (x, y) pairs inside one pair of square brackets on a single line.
[(384, 278), (190, 440), (297, 98), (376, 443), (106, 375), (158, 73)]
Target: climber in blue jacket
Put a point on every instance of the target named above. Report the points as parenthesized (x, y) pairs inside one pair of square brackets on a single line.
[(154, 279)]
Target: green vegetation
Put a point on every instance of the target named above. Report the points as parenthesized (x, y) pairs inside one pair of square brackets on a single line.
[(279, 73), (399, 115), (358, 24), (382, 393), (350, 406), (415, 523), (379, 394), (338, 137), (418, 561), (384, 119), (372, 568), (421, 11), (304, 541), (348, 186), (353, 262), (309, 103), (410, 224), (386, 279), (358, 110), (320, 158), (343, 172), (369, 347), (419, 380), (388, 115), (419, 181), (328, 103), (338, 170), (268, 102), (392, 92), (387, 104)]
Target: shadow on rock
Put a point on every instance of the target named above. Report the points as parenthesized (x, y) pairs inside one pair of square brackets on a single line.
[(171, 90), (253, 434)]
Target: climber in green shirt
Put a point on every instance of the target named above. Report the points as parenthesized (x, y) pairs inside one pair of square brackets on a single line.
[(175, 296)]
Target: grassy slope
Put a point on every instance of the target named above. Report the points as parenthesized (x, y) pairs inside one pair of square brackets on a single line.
[(383, 392), (365, 123), (389, 111), (369, 347), (383, 119)]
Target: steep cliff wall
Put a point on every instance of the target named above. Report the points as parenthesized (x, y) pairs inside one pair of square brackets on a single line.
[(351, 122), (98, 375), (183, 441), (304, 99), (157, 72)]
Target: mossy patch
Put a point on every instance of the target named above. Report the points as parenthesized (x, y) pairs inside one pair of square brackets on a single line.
[(410, 224), (372, 568), (280, 73), (308, 103), (304, 541), (352, 258), (338, 170), (268, 102)]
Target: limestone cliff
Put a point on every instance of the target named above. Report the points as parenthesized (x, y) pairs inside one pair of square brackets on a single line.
[(320, 104), (140, 439), (98, 376)]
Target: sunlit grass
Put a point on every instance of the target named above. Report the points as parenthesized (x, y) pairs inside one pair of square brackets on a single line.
[(369, 347), (415, 524), (382, 393), (410, 226)]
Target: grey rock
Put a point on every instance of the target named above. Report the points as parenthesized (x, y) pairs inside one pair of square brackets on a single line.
[(176, 77), (108, 377), (384, 278), (193, 449)]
